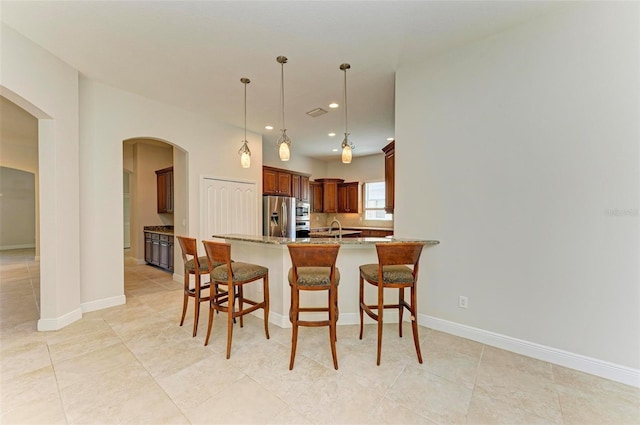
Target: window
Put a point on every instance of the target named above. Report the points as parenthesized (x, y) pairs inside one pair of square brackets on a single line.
[(374, 202)]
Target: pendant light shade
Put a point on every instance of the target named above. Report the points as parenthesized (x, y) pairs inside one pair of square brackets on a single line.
[(245, 153), (347, 146), (284, 143)]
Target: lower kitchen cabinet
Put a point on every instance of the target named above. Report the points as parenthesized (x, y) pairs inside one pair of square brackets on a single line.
[(158, 250)]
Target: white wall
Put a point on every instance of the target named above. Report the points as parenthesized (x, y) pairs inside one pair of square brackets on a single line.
[(47, 88), (108, 117), (516, 152), (362, 168), (297, 162)]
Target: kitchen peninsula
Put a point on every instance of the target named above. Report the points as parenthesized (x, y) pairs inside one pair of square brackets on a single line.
[(272, 253)]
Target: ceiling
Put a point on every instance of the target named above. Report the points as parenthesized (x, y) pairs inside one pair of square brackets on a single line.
[(192, 54)]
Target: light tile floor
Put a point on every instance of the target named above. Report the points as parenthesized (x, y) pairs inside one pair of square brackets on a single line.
[(134, 364)]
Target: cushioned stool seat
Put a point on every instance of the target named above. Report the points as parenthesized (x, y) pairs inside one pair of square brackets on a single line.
[(190, 265), (314, 276), (390, 274), (239, 270)]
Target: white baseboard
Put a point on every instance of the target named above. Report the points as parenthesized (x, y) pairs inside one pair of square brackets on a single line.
[(22, 246), (103, 303), (59, 322), (604, 369)]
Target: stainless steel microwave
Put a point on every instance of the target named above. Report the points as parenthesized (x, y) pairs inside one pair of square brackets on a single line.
[(302, 209)]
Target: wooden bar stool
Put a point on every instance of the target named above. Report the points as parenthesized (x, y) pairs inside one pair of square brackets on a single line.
[(397, 268), (197, 266), (234, 275), (314, 269)]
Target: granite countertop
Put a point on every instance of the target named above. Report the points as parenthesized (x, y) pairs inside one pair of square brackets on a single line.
[(272, 240), (165, 230), (333, 233)]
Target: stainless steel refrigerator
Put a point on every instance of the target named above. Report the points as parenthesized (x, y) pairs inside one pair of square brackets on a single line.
[(279, 216)]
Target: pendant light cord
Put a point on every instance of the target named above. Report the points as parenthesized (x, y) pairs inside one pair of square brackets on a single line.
[(346, 129), (245, 112), (282, 93)]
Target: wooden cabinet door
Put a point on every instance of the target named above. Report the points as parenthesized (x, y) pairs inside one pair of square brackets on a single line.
[(304, 188), (164, 186), (343, 203), (348, 197), (316, 197), (389, 175), (295, 186), (284, 184), (330, 197), (353, 190), (269, 181)]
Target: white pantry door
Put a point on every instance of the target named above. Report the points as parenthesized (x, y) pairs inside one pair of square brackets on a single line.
[(228, 206)]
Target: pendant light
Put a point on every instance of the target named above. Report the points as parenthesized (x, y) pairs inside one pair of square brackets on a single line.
[(245, 153), (284, 143), (347, 146)]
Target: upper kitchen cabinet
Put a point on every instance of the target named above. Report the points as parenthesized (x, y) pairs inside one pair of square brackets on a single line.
[(349, 197), (300, 187), (316, 194), (330, 194), (164, 179), (389, 175), (276, 182), (279, 182)]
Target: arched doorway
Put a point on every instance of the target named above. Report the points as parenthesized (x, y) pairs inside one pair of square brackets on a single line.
[(142, 157)]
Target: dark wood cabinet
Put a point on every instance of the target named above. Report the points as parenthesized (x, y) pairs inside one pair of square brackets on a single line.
[(300, 187), (316, 195), (158, 250), (164, 180), (376, 233), (304, 188), (349, 197), (330, 194), (389, 175), (276, 182)]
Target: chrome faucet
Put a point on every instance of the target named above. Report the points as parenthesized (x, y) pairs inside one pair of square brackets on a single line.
[(335, 220)]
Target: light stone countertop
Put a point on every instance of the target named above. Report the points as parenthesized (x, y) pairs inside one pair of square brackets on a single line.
[(345, 241)]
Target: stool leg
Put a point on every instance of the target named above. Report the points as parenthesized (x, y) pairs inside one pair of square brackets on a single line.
[(401, 308), (294, 325), (332, 325), (185, 301), (211, 302), (414, 322), (265, 291), (197, 306), (240, 298), (231, 304), (380, 311), (360, 306)]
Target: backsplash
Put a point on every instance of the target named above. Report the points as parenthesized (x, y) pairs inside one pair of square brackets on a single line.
[(347, 220)]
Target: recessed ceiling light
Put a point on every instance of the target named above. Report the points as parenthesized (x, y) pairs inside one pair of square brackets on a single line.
[(268, 127), (332, 134), (333, 105), (334, 150), (389, 139)]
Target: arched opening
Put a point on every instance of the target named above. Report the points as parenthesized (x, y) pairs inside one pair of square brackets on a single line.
[(141, 158)]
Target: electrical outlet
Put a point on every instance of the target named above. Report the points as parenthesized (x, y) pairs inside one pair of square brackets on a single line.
[(463, 302)]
